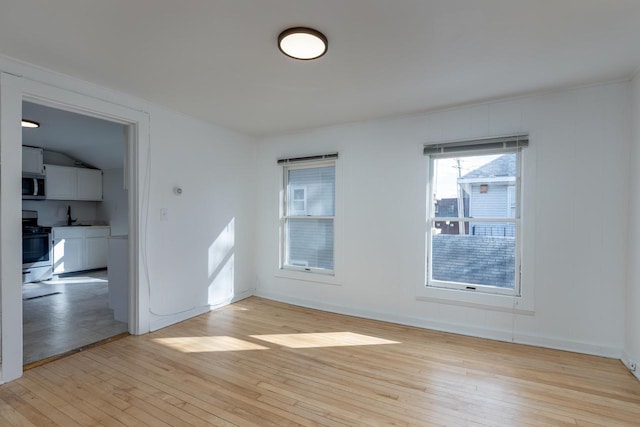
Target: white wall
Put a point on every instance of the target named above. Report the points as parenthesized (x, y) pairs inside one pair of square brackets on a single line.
[(54, 212), (216, 169), (632, 341), (574, 231), (114, 207), (204, 252)]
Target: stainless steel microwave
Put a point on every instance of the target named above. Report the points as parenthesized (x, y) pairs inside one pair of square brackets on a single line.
[(33, 187)]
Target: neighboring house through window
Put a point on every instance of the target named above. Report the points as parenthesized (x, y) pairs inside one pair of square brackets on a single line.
[(298, 199), (473, 244), (308, 214)]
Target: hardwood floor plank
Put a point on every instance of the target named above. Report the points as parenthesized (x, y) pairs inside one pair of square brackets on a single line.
[(90, 405), (34, 404), (264, 363), (193, 395), (228, 394), (75, 411), (11, 417)]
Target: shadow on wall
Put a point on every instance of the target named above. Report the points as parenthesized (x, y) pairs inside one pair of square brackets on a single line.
[(221, 266)]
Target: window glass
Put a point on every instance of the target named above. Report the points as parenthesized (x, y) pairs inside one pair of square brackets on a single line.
[(473, 222), (310, 243)]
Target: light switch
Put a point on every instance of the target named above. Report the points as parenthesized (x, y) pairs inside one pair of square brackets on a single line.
[(164, 214)]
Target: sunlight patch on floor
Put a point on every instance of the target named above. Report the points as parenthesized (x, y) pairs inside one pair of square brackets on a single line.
[(207, 344), (322, 339)]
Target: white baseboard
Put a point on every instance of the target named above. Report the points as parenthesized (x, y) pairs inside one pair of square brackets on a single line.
[(475, 331), (242, 295), (159, 322), (626, 360)]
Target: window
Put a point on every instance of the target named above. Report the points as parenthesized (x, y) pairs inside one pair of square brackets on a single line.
[(308, 215), (479, 249)]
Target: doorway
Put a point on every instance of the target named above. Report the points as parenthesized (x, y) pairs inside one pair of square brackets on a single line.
[(67, 96), (81, 296)]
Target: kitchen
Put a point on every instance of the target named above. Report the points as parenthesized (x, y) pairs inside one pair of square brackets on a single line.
[(75, 227)]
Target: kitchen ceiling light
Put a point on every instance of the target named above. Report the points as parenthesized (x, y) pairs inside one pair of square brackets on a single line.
[(30, 124), (302, 43)]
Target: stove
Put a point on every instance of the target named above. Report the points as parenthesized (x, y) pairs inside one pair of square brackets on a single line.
[(37, 259)]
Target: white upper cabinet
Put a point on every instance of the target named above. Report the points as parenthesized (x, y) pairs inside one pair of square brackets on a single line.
[(89, 184), (32, 160), (62, 182), (69, 183)]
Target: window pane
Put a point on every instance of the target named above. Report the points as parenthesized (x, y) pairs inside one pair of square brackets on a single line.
[(480, 259), (479, 186), (320, 190), (310, 243)]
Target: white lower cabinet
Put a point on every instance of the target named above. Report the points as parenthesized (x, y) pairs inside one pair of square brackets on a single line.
[(96, 248), (79, 248)]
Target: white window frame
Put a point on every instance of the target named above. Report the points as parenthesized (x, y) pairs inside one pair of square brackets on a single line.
[(430, 218), (512, 200), (284, 217)]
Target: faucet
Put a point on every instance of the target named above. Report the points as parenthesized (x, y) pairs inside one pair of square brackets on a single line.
[(69, 220)]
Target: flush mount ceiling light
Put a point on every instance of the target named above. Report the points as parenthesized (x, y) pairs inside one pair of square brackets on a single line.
[(30, 124), (302, 43)]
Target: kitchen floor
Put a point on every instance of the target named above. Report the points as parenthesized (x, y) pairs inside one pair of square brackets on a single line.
[(65, 314)]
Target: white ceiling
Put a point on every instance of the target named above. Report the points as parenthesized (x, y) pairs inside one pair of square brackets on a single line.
[(98, 143), (218, 59)]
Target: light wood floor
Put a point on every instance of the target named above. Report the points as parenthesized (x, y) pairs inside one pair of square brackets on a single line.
[(262, 363)]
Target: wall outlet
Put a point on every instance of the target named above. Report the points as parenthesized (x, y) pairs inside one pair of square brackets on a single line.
[(632, 366)]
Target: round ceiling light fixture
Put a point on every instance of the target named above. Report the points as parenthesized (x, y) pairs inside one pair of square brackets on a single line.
[(30, 124), (302, 43)]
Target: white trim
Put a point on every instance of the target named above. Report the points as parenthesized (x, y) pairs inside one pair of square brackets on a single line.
[(626, 359), (11, 242), (164, 321), (306, 276), (470, 219), (455, 328), (484, 300)]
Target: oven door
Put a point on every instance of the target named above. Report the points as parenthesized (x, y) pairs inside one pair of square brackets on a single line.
[(36, 250)]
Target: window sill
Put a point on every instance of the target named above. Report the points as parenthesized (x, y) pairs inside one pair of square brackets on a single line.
[(307, 276), (512, 304)]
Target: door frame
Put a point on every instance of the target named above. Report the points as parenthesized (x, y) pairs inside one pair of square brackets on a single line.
[(13, 91)]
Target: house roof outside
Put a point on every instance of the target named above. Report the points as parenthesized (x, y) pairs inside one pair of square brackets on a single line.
[(482, 260), (504, 165)]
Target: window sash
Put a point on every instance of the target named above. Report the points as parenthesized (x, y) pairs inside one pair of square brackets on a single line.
[(285, 248), (431, 218), (311, 162)]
